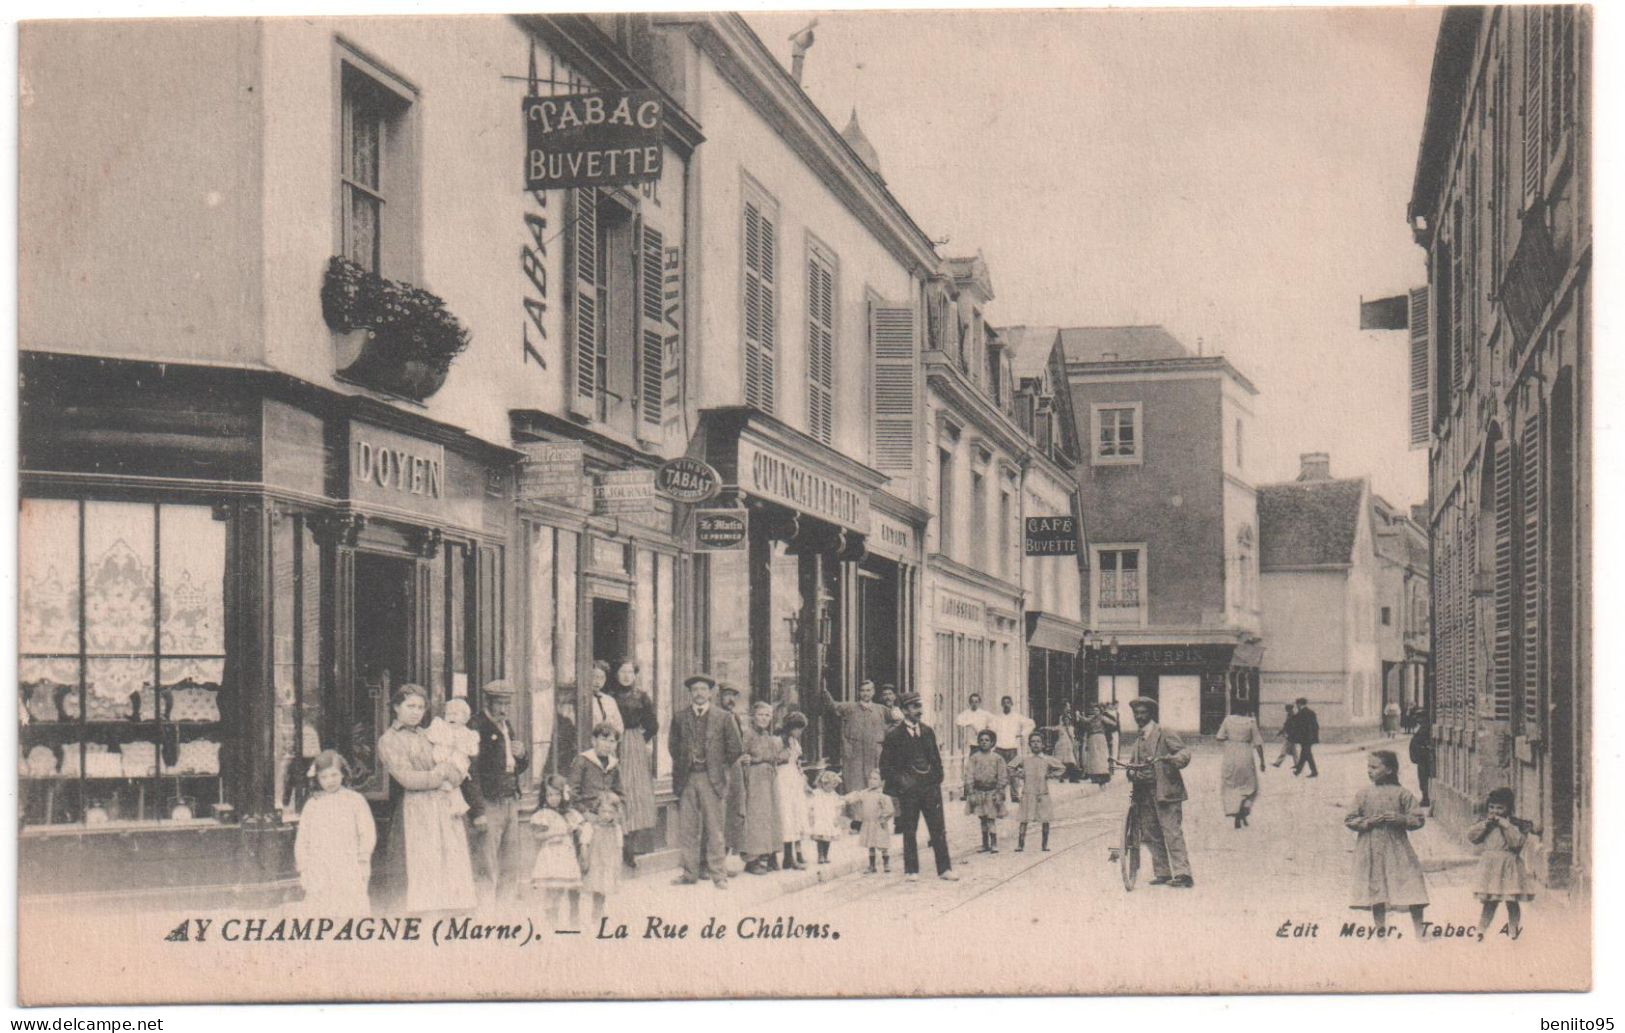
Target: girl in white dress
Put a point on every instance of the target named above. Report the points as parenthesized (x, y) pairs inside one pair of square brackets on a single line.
[(792, 787), (557, 872), (333, 848)]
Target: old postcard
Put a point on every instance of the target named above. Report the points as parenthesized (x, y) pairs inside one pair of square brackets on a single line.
[(804, 504)]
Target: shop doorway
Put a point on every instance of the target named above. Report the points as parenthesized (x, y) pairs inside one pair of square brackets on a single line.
[(382, 606), (877, 619), (611, 637)]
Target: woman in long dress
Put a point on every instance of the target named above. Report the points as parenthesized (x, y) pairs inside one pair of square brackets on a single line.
[(1097, 763), (764, 832), (1066, 747), (1238, 780), (637, 779), (426, 861)]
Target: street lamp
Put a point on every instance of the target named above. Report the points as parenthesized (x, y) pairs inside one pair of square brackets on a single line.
[(1105, 647)]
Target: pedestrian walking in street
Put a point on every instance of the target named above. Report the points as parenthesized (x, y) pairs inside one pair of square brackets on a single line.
[(426, 866), (502, 759), (793, 791), (1502, 875), (1097, 754), (556, 872), (825, 809), (987, 775), (704, 744), (601, 837), (1238, 782), (1161, 796), (1032, 775), (1421, 752), (863, 728), (1289, 749), (1387, 873), (874, 810), (1306, 734), (911, 766), (1390, 719), (640, 724), (764, 753), (333, 848)]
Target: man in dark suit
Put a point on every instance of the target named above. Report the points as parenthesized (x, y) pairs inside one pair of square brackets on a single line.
[(704, 745), (496, 774), (1307, 735), (911, 767)]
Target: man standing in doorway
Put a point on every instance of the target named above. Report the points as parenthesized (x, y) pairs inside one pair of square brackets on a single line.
[(911, 766), (1308, 734), (863, 728), (497, 768), (1159, 790), (704, 745)]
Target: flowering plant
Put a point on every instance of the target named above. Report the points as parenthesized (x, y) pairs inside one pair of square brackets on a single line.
[(409, 322)]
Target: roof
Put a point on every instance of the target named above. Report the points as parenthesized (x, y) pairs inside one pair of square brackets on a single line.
[(1308, 523), (1127, 343), (1452, 62), (1029, 348)]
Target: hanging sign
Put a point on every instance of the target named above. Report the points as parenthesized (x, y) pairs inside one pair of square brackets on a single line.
[(1051, 536), (551, 470), (624, 491), (716, 529), (687, 480), (593, 140)]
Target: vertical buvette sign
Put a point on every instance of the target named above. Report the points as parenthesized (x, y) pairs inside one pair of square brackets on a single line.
[(593, 139)]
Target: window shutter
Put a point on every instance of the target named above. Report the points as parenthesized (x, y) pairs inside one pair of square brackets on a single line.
[(584, 297), (891, 342), (1465, 587), (820, 349), (1533, 102), (760, 385), (651, 332), (1530, 450), (1505, 586), (1421, 384)]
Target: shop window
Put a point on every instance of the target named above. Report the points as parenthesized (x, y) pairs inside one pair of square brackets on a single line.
[(122, 663), (300, 723), (377, 169), (1118, 438)]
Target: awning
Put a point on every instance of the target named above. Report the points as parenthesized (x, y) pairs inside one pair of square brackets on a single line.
[(1048, 631)]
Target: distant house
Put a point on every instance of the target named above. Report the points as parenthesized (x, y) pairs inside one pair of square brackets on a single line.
[(1402, 604), (1318, 567)]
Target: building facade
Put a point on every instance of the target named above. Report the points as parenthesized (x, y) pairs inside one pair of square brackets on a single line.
[(1319, 569), (1163, 482), (1402, 605), (1500, 396)]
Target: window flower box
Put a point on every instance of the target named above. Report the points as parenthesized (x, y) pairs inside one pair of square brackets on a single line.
[(393, 336)]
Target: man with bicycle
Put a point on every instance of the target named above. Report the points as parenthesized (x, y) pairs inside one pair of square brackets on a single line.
[(1159, 795)]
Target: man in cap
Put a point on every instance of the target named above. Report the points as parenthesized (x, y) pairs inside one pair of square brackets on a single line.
[(502, 759), (704, 744), (1307, 735), (1159, 789), (911, 767), (733, 800)]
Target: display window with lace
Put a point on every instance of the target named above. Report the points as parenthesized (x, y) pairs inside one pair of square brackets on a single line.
[(123, 712)]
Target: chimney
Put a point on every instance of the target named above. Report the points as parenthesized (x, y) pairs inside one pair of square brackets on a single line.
[(1314, 466), (800, 43)]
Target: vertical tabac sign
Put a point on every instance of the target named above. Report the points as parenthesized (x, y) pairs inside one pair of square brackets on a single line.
[(593, 140)]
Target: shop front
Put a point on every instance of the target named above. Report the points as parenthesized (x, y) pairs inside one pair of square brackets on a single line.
[(798, 607), (224, 572), (1195, 685), (1053, 673)]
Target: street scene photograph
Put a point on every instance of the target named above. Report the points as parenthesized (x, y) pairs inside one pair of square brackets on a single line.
[(797, 504)]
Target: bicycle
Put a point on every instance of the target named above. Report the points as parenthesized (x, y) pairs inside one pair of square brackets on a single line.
[(1127, 855)]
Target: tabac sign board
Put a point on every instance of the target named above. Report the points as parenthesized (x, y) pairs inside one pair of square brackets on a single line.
[(1051, 536), (593, 139)]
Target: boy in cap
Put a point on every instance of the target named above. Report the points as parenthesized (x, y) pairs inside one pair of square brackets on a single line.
[(502, 758)]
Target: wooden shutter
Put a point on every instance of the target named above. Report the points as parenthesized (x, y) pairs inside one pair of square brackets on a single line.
[(1421, 383), (584, 297), (1465, 588), (1530, 456), (651, 332), (1505, 585), (891, 342), (1533, 102), (760, 313), (820, 349)]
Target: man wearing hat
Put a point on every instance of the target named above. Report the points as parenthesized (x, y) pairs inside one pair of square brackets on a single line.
[(502, 758), (1161, 754), (733, 800), (911, 767), (704, 745)]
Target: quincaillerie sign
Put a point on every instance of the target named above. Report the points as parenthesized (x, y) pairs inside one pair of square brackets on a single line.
[(782, 479), (394, 470), (593, 139)]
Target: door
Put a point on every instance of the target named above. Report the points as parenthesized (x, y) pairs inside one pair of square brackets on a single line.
[(382, 646), (1178, 700)]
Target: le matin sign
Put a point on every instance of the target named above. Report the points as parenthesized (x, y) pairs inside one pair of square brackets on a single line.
[(717, 529), (593, 139)]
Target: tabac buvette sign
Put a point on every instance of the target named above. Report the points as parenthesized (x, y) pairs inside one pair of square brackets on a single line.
[(593, 139)]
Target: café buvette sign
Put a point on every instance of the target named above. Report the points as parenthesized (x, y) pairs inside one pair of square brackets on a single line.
[(593, 139), (687, 480), (1051, 536)]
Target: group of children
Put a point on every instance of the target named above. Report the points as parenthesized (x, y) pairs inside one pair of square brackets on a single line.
[(988, 776), (1388, 874)]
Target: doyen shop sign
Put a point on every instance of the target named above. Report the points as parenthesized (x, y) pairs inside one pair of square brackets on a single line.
[(593, 140)]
